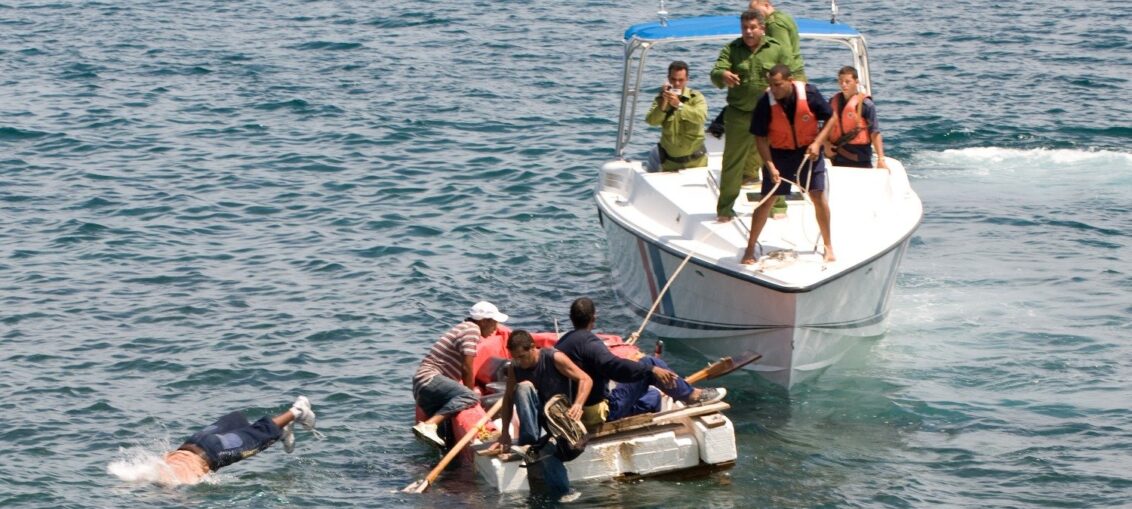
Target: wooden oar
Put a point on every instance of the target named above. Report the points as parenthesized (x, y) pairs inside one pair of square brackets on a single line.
[(723, 366), (423, 484)]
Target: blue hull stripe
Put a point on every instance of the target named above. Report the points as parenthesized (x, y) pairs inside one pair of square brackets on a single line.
[(658, 272)]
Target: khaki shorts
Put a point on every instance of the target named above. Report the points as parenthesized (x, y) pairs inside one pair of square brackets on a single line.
[(594, 415)]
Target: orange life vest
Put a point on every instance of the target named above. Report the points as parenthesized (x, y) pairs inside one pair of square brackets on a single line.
[(849, 115), (805, 129)]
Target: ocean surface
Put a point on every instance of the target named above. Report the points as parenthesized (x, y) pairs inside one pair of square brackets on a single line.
[(209, 206)]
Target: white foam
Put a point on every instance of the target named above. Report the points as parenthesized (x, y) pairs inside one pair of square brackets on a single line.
[(1012, 159), (146, 465)]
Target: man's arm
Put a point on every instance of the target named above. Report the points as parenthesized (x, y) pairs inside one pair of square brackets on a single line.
[(869, 111), (570, 370), (657, 112), (693, 113), (821, 109), (722, 64), (469, 371)]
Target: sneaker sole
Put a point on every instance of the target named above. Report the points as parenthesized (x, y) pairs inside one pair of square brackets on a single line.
[(428, 440)]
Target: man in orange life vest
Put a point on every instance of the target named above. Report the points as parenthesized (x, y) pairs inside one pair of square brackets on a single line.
[(854, 125), (785, 125)]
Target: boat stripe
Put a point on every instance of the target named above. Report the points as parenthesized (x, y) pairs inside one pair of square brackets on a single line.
[(646, 265), (661, 280)]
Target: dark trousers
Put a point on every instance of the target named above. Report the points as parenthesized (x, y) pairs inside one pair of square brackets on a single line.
[(232, 438)]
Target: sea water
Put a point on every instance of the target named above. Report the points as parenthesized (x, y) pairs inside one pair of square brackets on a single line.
[(211, 206)]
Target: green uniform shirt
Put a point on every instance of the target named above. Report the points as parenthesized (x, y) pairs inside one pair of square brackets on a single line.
[(681, 129), (751, 68), (781, 27)]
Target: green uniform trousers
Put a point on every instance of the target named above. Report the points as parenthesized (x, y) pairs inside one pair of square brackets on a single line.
[(739, 154)]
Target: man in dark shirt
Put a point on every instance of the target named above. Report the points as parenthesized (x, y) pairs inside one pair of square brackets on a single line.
[(787, 134), (631, 395), (535, 377)]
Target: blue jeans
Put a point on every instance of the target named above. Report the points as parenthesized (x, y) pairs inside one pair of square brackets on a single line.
[(634, 398), (445, 396), (548, 473), (232, 438)]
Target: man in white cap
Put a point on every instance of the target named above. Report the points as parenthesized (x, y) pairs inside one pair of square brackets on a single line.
[(444, 381)]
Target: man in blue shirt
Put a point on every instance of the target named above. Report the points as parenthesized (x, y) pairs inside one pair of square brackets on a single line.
[(631, 395), (785, 125)]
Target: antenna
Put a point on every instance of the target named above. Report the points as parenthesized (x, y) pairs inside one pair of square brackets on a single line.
[(663, 14), (832, 11)]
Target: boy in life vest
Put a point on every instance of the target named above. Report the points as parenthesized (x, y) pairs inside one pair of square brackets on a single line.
[(855, 129), (785, 125)]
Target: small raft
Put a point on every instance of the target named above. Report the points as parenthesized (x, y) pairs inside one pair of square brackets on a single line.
[(677, 440)]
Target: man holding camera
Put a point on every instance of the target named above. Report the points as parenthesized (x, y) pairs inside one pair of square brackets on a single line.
[(680, 112)]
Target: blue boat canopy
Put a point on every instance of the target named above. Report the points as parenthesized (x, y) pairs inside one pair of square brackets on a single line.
[(712, 27)]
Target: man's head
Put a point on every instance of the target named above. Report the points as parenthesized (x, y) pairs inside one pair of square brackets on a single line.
[(763, 6), (678, 74), (752, 23), (781, 81), (582, 313), (487, 316), (848, 81), (522, 348)]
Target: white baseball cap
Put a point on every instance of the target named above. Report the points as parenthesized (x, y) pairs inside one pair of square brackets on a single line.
[(484, 309)]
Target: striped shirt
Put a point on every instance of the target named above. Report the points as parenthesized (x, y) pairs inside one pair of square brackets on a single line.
[(447, 355)]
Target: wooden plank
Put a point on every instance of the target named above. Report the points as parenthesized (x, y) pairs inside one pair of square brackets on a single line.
[(646, 420)]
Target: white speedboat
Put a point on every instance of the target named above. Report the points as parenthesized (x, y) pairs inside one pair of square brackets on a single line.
[(801, 313)]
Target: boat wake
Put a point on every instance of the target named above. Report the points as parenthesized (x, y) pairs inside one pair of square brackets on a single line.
[(1000, 159)]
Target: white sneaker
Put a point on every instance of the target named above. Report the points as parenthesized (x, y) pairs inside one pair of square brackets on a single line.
[(289, 438), (305, 416), (427, 432)]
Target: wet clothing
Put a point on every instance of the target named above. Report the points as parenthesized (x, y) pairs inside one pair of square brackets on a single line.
[(590, 353), (857, 152), (548, 474), (438, 385), (630, 395), (781, 26), (232, 438), (739, 153), (788, 160), (445, 396), (545, 376), (681, 130), (446, 357)]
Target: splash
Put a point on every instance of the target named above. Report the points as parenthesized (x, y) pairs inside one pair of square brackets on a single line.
[(146, 465)]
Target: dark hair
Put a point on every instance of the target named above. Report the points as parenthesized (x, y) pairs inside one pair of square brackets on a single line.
[(750, 14), (520, 340), (849, 70), (677, 65), (780, 70), (582, 312)]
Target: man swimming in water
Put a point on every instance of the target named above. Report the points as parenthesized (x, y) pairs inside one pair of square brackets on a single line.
[(230, 439)]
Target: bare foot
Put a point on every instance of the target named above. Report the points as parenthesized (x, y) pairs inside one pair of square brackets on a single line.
[(829, 257), (723, 219), (747, 260)]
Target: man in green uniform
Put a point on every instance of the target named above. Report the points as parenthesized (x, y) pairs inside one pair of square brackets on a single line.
[(781, 26), (741, 67), (680, 112)]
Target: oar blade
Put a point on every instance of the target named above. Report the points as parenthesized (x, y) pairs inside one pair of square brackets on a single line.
[(417, 487), (738, 361)]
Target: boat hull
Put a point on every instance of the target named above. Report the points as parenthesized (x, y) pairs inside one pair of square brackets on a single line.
[(720, 312)]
